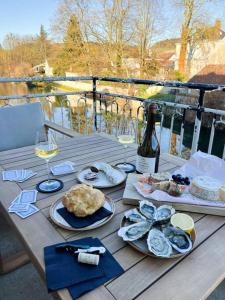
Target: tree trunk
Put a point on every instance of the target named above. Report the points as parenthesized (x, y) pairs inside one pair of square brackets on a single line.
[(183, 50)]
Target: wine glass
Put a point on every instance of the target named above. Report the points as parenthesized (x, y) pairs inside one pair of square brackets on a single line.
[(126, 136), (47, 149)]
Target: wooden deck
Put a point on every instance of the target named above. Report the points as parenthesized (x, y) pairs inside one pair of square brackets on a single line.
[(191, 277)]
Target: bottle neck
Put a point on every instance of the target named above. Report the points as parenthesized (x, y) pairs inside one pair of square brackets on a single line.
[(150, 122)]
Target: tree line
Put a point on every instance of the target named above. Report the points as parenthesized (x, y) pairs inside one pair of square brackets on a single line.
[(109, 38)]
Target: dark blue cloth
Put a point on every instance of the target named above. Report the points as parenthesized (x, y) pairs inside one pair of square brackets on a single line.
[(63, 270), (76, 222), (60, 272)]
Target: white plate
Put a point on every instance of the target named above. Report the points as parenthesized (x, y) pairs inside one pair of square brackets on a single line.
[(102, 181), (58, 220)]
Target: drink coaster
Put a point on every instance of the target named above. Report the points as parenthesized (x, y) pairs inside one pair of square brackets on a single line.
[(51, 186)]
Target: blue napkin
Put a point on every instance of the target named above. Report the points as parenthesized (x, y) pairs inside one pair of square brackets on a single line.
[(79, 278), (63, 270), (76, 222)]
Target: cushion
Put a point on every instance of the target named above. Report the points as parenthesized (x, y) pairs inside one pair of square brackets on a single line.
[(19, 125)]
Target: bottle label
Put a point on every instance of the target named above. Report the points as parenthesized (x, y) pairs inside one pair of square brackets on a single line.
[(145, 164)]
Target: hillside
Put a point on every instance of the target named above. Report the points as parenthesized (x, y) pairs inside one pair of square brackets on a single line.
[(165, 45)]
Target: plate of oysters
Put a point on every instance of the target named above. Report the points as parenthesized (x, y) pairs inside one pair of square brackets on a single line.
[(149, 230), (101, 175), (82, 208)]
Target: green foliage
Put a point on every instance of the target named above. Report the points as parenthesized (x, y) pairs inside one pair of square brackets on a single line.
[(73, 44), (42, 44), (142, 91), (43, 34), (179, 76), (163, 97)]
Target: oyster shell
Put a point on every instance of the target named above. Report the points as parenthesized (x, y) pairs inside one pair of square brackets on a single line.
[(135, 231), (178, 239), (158, 243), (134, 216), (147, 209), (164, 213)]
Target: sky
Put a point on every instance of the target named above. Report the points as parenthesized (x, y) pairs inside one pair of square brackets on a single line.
[(25, 16)]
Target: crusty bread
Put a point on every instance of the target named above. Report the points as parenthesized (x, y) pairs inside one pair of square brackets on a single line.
[(83, 200)]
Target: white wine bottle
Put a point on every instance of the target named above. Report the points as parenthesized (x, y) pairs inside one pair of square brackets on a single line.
[(149, 150)]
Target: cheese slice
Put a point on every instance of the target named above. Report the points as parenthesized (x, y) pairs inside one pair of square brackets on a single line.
[(206, 187)]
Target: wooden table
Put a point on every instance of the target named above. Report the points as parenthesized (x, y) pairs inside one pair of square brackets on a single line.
[(191, 277)]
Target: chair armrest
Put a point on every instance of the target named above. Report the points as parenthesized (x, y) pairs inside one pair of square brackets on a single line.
[(66, 131)]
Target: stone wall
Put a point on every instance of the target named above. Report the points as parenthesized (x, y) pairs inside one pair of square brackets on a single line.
[(215, 100)]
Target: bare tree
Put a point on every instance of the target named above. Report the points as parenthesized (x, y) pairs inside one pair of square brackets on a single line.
[(188, 14), (200, 35), (112, 30), (145, 22), (193, 15)]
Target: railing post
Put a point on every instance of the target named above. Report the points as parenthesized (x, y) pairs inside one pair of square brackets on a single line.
[(94, 104), (212, 135), (198, 121), (182, 133)]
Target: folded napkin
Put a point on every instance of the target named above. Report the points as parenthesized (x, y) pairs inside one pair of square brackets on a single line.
[(17, 175), (109, 171), (77, 222), (66, 167), (64, 271)]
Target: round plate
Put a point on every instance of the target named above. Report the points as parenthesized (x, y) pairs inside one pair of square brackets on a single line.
[(58, 220), (141, 244), (102, 181)]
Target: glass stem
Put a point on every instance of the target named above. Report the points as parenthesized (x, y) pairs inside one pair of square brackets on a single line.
[(124, 153), (48, 171)]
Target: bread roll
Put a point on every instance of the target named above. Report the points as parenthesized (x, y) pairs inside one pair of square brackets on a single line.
[(83, 200)]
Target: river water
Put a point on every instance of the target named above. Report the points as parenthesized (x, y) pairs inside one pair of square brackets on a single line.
[(74, 118)]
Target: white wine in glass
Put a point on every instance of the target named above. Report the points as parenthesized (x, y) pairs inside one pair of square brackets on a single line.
[(126, 136), (47, 149)]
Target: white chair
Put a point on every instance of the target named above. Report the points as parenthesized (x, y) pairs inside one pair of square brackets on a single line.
[(20, 123)]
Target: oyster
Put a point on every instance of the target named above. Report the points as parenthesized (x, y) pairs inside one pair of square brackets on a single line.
[(164, 213), (147, 209), (178, 239), (158, 243), (134, 216), (135, 231)]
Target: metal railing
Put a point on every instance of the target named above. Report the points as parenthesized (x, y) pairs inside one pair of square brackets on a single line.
[(100, 111)]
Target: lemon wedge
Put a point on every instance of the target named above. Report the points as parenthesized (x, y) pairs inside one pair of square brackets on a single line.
[(183, 221)]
